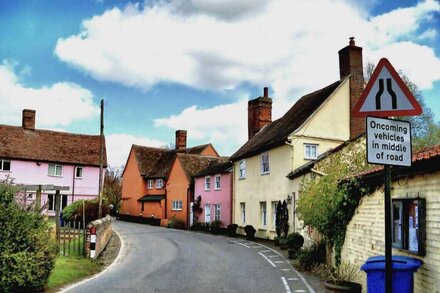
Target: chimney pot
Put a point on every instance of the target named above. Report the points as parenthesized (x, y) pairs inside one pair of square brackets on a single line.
[(180, 139), (352, 43), (266, 92), (28, 119)]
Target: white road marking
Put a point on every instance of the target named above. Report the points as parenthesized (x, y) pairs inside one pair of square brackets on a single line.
[(279, 261), (267, 259), (285, 270), (255, 246), (286, 285), (267, 250), (273, 256), (292, 279), (300, 290)]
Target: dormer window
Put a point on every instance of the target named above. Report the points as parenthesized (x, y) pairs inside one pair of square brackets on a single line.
[(159, 183), (310, 151), (150, 184)]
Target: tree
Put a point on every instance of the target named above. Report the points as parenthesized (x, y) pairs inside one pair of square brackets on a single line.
[(425, 131), (27, 250), (113, 186), (197, 208)]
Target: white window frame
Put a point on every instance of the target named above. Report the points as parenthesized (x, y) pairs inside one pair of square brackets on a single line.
[(150, 183), (242, 169), (159, 183), (2, 164), (217, 212), (308, 154), (264, 167), (55, 168), (207, 183), (243, 212), (208, 212), (217, 182), (263, 208), (76, 172), (177, 205)]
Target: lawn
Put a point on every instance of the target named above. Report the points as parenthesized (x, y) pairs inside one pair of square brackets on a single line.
[(69, 270)]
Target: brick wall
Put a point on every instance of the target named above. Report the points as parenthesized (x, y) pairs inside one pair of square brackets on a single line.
[(365, 233), (103, 234)]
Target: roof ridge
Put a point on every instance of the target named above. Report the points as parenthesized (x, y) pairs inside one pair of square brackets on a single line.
[(49, 131)]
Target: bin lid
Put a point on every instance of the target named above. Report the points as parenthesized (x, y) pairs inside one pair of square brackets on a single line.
[(399, 263)]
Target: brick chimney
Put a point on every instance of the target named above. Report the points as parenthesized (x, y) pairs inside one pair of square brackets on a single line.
[(180, 139), (350, 63), (259, 113), (28, 119)]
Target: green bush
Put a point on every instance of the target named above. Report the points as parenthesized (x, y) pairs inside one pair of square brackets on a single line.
[(295, 240), (312, 256), (250, 232), (197, 226), (215, 226), (232, 230), (74, 211), (27, 251), (176, 223)]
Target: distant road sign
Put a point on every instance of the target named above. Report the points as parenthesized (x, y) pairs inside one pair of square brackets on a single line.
[(386, 95), (388, 142)]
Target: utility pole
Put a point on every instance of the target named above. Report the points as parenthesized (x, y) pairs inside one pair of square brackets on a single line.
[(101, 154)]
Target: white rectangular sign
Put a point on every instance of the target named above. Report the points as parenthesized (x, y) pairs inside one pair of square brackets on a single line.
[(388, 142)]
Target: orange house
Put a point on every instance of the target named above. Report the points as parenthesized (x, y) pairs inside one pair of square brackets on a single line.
[(180, 186), (147, 177)]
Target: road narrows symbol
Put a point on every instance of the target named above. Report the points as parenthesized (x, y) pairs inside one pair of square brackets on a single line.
[(389, 90)]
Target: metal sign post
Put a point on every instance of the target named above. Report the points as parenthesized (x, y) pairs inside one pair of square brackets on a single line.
[(388, 238)]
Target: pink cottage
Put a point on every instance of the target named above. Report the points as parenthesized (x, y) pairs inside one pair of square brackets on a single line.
[(41, 157), (214, 186)]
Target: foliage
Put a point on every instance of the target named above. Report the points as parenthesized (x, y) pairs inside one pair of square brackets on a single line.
[(312, 256), (250, 232), (425, 131), (197, 208), (232, 230), (176, 223), (71, 269), (112, 191), (327, 203), (74, 211), (215, 226), (295, 240), (27, 252), (278, 219), (345, 272), (197, 226)]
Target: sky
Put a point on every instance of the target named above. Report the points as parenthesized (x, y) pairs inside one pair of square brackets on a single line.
[(166, 65)]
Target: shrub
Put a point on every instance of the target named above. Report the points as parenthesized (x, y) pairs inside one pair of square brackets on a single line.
[(232, 230), (215, 226), (295, 240), (74, 211), (176, 223), (312, 256), (250, 232), (27, 252), (197, 226)]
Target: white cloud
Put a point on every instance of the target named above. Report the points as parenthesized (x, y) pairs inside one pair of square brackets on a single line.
[(57, 105), (288, 45), (119, 144), (223, 126)]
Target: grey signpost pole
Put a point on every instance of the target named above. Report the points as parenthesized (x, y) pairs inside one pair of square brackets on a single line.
[(388, 238)]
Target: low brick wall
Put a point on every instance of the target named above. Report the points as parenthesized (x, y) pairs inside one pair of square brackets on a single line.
[(103, 230)]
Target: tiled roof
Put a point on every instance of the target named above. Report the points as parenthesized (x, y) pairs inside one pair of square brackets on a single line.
[(157, 162), (50, 146), (219, 167), (193, 164), (276, 132)]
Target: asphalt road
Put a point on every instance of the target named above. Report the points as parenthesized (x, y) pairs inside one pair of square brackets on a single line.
[(155, 259)]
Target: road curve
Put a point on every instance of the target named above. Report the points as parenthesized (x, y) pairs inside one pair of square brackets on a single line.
[(155, 259)]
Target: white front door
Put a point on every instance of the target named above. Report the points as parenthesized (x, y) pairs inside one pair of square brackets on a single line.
[(207, 213)]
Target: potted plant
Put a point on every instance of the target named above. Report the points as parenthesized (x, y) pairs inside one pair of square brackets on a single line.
[(294, 242), (250, 232), (341, 279), (232, 230)]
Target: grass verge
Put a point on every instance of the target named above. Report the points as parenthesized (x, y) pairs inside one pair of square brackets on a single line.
[(69, 270)]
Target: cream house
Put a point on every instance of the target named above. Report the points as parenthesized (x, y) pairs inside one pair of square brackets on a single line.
[(317, 122)]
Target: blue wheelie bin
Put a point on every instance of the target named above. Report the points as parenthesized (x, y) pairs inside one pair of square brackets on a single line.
[(403, 268)]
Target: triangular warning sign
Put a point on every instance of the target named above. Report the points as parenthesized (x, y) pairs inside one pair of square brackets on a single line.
[(386, 95)]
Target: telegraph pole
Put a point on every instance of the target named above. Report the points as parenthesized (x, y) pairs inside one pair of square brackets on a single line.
[(101, 154)]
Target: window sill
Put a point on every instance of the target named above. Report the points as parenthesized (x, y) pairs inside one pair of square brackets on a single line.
[(5, 171), (265, 173), (242, 178), (207, 189), (78, 178), (217, 189), (262, 229), (177, 210), (59, 176)]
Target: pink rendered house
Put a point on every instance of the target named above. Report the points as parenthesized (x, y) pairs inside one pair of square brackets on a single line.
[(214, 185), (41, 157)]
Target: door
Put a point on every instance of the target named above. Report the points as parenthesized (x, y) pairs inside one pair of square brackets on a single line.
[(207, 213)]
